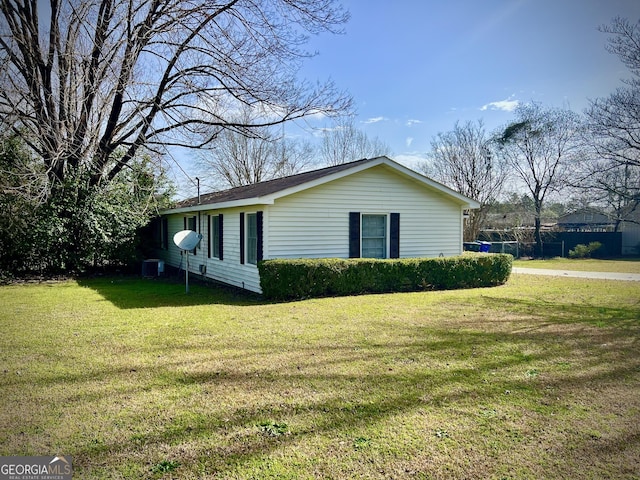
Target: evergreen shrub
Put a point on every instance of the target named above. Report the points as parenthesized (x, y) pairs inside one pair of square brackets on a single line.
[(288, 279)]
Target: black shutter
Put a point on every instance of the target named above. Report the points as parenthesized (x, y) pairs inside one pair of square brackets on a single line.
[(354, 234), (241, 237), (209, 235), (185, 223), (165, 233), (193, 226), (394, 247), (220, 236), (259, 228)]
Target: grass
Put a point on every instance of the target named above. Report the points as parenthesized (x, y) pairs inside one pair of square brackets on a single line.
[(630, 265), (538, 378)]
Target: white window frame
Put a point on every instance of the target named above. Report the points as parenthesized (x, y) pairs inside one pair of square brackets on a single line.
[(387, 234), (215, 249), (251, 251)]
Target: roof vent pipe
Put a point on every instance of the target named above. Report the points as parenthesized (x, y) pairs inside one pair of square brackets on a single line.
[(198, 184)]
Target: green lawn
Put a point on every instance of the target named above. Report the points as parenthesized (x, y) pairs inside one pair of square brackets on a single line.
[(630, 265), (539, 378)]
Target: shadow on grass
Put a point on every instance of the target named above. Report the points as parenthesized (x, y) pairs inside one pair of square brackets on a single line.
[(226, 439), (205, 412), (549, 313), (315, 390), (128, 292)]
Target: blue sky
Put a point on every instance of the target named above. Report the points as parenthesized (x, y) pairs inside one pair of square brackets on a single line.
[(415, 67)]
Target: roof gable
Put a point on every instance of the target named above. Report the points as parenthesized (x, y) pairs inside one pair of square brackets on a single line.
[(265, 193)]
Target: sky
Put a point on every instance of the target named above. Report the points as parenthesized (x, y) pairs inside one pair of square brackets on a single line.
[(415, 67)]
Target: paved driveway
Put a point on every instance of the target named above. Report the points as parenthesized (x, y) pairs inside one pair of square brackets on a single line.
[(634, 277)]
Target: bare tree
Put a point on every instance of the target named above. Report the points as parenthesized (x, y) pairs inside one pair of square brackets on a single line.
[(80, 80), (344, 143), (612, 174), (237, 159), (463, 159), (539, 147), (613, 188)]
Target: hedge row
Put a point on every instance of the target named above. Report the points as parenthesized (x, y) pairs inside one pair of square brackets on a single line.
[(286, 279)]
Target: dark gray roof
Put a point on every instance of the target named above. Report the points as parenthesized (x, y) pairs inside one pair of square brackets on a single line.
[(266, 188)]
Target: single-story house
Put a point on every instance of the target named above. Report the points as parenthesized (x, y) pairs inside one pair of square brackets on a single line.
[(367, 208)]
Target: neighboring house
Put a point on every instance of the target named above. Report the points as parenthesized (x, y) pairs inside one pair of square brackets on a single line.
[(367, 208), (586, 220), (591, 220)]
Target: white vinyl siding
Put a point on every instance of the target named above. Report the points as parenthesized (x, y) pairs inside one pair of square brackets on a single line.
[(315, 223), (229, 271)]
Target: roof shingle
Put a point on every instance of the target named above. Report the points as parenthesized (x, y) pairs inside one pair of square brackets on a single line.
[(267, 187)]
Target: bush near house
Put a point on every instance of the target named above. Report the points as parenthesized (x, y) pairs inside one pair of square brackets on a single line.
[(584, 251), (286, 279)]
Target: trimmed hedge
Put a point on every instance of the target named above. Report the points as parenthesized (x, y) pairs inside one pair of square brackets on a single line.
[(286, 279)]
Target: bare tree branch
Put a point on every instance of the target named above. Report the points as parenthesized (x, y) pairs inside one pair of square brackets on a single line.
[(464, 160), (541, 146), (84, 79)]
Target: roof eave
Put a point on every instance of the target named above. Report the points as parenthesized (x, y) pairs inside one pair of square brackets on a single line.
[(245, 202)]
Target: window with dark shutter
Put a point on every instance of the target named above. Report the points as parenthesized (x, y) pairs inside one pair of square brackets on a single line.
[(374, 235)]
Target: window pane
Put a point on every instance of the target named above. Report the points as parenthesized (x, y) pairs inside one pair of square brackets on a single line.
[(373, 226), (373, 248), (252, 238), (374, 236)]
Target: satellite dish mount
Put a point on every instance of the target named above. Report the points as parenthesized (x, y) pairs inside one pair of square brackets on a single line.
[(187, 240)]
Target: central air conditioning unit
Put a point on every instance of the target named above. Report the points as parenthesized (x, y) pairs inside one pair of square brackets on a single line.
[(152, 267)]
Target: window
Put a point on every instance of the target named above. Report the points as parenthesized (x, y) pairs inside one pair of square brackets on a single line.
[(215, 236), (160, 228), (190, 223), (252, 238), (374, 236), (164, 233)]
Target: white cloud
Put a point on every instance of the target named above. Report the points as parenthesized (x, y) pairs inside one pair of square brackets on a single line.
[(374, 120), (408, 141), (412, 122), (507, 105)]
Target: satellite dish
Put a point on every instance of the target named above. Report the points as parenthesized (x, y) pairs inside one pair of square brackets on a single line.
[(187, 239)]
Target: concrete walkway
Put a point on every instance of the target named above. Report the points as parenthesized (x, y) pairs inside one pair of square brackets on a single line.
[(634, 277)]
